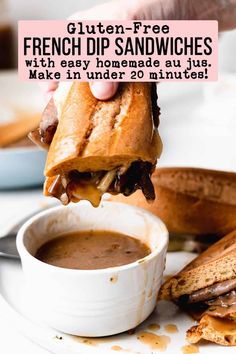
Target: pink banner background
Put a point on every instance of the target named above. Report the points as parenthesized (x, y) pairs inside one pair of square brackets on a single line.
[(176, 29)]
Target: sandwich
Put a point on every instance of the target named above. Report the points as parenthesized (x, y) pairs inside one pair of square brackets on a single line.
[(206, 288), (192, 202), (96, 146)]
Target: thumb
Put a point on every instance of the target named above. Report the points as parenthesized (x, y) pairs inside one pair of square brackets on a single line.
[(103, 90)]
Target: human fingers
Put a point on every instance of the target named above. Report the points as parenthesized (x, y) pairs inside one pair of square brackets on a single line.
[(103, 90)]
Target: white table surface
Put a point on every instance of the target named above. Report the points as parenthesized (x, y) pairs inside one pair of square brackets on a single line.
[(13, 206)]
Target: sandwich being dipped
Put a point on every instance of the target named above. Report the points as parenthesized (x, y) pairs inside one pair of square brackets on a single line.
[(100, 146)]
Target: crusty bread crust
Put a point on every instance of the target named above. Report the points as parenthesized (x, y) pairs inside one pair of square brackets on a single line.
[(216, 264), (216, 330), (95, 135), (204, 184), (191, 201)]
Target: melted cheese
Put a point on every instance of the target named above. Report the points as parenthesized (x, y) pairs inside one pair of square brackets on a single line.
[(88, 192)]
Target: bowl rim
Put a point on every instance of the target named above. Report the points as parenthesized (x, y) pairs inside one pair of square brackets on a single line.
[(23, 251)]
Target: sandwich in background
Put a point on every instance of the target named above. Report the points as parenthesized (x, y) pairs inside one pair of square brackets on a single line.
[(100, 146), (191, 201), (206, 288)]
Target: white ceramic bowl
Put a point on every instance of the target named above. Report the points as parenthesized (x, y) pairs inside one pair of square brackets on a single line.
[(21, 167), (94, 302)]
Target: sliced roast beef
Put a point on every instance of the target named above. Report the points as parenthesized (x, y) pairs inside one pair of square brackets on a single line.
[(44, 134), (137, 176), (155, 107), (35, 137), (218, 300), (49, 122), (223, 306), (226, 300), (212, 291)]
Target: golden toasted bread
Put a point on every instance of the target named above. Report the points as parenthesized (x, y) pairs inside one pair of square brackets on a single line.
[(217, 330), (216, 264), (95, 135)]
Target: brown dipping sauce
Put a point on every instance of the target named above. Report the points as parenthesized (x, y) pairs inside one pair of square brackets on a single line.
[(92, 250)]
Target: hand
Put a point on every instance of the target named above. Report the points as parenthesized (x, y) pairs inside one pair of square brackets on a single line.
[(222, 10), (100, 90)]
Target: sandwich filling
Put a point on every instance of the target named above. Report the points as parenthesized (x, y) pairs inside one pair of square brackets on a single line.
[(76, 185), (215, 309), (48, 125), (217, 300)]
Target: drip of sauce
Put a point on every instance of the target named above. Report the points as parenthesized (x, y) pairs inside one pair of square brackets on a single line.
[(85, 191), (190, 349), (93, 341), (171, 328), (92, 250), (114, 279), (89, 341), (102, 340), (143, 297), (223, 325), (116, 348), (154, 327), (154, 341)]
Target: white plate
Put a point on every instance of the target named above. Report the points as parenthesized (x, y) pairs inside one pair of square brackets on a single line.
[(13, 296)]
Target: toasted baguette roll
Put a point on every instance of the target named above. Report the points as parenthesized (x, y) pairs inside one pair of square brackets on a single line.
[(95, 135), (100, 146)]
